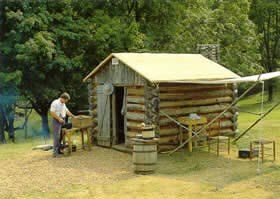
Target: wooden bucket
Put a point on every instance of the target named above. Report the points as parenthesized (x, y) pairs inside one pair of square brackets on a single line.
[(144, 157)]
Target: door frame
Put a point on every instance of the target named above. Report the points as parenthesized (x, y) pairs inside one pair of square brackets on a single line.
[(115, 137)]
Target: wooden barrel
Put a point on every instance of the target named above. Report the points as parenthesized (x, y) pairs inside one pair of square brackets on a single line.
[(144, 157)]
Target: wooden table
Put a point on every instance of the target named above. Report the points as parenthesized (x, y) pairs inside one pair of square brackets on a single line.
[(190, 123), (67, 133)]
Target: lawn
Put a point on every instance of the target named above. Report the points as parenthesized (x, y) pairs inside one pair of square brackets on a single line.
[(105, 173)]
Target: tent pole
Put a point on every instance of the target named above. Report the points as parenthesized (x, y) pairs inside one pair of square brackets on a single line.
[(257, 121), (217, 117), (259, 159)]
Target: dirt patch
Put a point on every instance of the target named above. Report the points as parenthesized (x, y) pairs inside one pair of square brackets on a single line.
[(105, 173), (38, 171)]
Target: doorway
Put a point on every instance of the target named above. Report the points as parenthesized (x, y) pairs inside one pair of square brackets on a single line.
[(120, 136)]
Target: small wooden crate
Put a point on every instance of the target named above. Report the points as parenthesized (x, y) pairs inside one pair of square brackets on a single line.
[(82, 121)]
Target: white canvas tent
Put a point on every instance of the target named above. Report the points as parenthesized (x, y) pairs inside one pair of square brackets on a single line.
[(253, 78)]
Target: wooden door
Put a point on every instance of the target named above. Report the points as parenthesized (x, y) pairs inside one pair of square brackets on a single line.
[(103, 117)]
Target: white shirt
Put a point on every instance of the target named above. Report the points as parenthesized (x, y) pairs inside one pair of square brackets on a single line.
[(59, 108)]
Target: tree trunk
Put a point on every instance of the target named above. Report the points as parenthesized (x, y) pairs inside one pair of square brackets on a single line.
[(42, 108), (2, 124), (45, 124), (270, 90), (11, 128)]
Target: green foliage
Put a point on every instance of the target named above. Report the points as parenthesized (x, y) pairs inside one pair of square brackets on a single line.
[(226, 23), (55, 44), (8, 87), (266, 14)]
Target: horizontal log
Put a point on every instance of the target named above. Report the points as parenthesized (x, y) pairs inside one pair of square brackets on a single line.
[(216, 125), (138, 107), (133, 125), (92, 98), (92, 106), (94, 120), (225, 131), (197, 109), (211, 116), (169, 140), (138, 91), (93, 113), (132, 134), (135, 99), (173, 130), (195, 95), (174, 139), (169, 131), (135, 116), (195, 102), (164, 121)]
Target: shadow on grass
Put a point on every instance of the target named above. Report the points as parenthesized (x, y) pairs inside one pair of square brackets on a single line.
[(204, 167)]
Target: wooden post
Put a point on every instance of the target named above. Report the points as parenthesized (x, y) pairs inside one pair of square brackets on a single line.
[(114, 139), (190, 137), (82, 137), (68, 134), (88, 138), (181, 134)]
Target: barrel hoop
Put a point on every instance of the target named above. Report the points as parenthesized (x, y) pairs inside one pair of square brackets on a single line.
[(144, 163), (143, 151)]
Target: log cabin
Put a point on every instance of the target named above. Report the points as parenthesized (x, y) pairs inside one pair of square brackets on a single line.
[(127, 89)]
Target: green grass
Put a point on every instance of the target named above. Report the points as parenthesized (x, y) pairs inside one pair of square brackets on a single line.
[(265, 128)]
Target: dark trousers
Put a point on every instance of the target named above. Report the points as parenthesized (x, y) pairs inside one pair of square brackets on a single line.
[(57, 135)]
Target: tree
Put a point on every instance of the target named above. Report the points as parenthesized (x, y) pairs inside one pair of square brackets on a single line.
[(266, 15), (54, 44), (225, 23), (8, 94)]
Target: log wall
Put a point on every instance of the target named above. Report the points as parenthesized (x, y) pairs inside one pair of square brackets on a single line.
[(179, 100), (135, 111), (92, 100), (176, 100)]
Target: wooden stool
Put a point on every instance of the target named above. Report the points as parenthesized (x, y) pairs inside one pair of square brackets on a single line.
[(260, 143), (218, 139)]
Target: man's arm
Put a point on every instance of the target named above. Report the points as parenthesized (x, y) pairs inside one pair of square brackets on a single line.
[(70, 114), (54, 115)]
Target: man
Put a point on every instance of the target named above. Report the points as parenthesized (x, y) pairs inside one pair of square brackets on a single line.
[(58, 112)]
